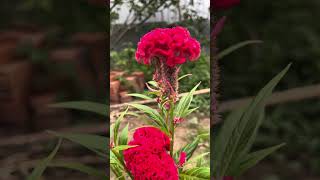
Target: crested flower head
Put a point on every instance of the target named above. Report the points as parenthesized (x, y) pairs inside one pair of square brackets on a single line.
[(150, 159), (173, 46)]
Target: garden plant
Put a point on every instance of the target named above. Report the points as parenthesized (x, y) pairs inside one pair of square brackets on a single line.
[(148, 152)]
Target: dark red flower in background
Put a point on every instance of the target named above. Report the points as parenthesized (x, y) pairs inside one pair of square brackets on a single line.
[(172, 45), (227, 178), (150, 159), (223, 4)]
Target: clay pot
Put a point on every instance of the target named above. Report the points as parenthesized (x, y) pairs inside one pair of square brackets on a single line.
[(45, 117), (15, 80), (114, 91), (140, 79), (124, 97), (132, 82)]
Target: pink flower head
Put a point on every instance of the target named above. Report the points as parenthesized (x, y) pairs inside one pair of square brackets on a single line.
[(150, 160), (172, 45), (183, 158), (223, 4)]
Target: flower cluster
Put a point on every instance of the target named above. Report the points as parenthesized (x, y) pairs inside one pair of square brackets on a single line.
[(150, 160), (172, 45)]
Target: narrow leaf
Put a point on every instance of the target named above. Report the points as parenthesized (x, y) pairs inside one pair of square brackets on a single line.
[(153, 83), (153, 114), (87, 140), (117, 126), (123, 138), (242, 136), (82, 168), (197, 173), (38, 171), (253, 158), (186, 75), (97, 108), (235, 47), (123, 147)]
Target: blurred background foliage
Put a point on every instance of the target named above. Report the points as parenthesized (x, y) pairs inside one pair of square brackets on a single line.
[(290, 33), (73, 16), (56, 27)]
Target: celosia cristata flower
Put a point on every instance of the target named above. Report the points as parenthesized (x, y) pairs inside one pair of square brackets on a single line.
[(223, 4), (150, 159), (172, 45)]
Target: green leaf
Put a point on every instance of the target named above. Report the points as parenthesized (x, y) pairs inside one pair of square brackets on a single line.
[(153, 83), (123, 138), (186, 75), (140, 96), (97, 108), (235, 47), (190, 148), (116, 166), (153, 114), (82, 168), (38, 171), (220, 139), (189, 111), (239, 137), (117, 126), (253, 158), (123, 147), (184, 103), (87, 140), (197, 173), (195, 159)]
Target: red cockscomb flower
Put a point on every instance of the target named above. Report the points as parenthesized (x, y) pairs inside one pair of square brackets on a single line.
[(223, 4), (150, 159), (172, 45)]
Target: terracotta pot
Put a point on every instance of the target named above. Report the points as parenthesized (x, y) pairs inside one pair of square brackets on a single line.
[(75, 57), (124, 97), (15, 90), (132, 82), (44, 117), (140, 78), (114, 91)]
